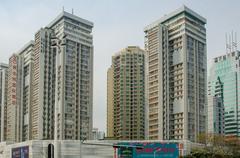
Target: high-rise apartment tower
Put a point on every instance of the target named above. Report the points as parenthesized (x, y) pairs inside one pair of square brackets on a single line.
[(25, 71), (3, 100), (63, 79), (49, 84), (12, 99), (126, 94), (110, 112), (19, 92), (176, 54)]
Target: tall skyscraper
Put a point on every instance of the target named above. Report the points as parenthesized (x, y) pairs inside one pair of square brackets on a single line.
[(49, 84), (215, 115), (43, 96), (3, 100), (25, 71), (176, 54), (19, 94), (126, 94), (110, 112), (13, 101), (63, 79), (223, 83)]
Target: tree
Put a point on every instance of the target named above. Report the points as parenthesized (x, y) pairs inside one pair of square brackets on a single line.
[(216, 145)]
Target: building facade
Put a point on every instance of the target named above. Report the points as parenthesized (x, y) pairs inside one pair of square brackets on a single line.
[(50, 84), (25, 71), (13, 102), (176, 54), (97, 135), (43, 95), (19, 94), (223, 82), (74, 77), (3, 100), (215, 115), (62, 88), (97, 148), (128, 92), (110, 112)]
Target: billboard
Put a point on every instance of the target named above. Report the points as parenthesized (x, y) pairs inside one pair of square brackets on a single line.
[(147, 150), (20, 152)]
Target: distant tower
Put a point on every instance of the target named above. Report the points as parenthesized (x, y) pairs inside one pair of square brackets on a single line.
[(126, 95), (110, 105), (19, 93), (223, 84), (13, 101), (3, 100)]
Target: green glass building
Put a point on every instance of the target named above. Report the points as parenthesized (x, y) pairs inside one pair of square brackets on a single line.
[(224, 81)]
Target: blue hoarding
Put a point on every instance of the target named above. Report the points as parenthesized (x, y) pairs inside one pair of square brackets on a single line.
[(148, 150), (20, 152)]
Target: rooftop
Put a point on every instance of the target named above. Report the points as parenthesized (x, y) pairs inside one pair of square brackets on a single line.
[(174, 13), (26, 46), (71, 16), (129, 49), (3, 65), (233, 54)]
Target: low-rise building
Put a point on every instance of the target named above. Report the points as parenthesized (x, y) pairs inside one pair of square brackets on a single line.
[(95, 148)]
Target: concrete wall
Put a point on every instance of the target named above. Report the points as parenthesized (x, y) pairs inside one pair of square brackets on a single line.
[(77, 149), (62, 149)]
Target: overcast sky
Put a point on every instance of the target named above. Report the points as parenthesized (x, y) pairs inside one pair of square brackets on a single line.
[(117, 24)]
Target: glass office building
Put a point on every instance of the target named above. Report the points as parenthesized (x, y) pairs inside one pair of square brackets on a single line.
[(224, 80)]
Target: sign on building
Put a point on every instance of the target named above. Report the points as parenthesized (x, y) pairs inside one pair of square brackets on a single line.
[(20, 152), (147, 150)]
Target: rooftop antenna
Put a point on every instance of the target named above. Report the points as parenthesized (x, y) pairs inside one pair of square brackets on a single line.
[(226, 39), (236, 39), (63, 8), (235, 42), (228, 43), (232, 42), (230, 46), (72, 11)]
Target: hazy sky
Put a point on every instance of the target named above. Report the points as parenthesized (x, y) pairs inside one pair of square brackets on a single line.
[(117, 24)]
